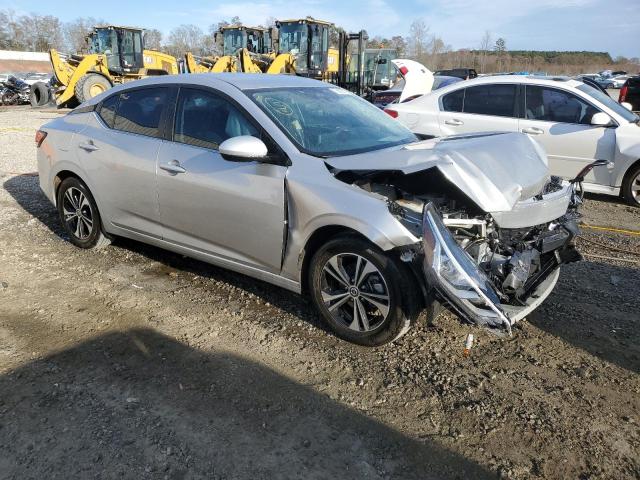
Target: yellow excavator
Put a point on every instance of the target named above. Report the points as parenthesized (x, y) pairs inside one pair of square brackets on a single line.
[(115, 55), (238, 42)]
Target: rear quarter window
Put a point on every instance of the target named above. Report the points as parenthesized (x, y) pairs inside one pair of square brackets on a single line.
[(107, 110), (452, 102)]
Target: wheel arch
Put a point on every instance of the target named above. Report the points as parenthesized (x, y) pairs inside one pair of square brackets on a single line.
[(327, 232), (629, 170), (319, 237)]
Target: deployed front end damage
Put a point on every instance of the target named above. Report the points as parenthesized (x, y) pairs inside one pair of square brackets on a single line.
[(490, 258)]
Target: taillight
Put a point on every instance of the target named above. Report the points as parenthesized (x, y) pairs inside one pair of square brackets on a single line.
[(623, 93), (40, 136), (391, 113), (404, 70)]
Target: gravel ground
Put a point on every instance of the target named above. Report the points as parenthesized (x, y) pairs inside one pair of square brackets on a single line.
[(138, 363)]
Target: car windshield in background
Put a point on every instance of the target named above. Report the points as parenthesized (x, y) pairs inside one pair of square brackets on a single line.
[(327, 121), (609, 102)]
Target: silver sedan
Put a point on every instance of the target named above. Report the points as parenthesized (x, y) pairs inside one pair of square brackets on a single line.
[(304, 185)]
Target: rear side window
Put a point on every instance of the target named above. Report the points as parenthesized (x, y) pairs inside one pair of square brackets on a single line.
[(139, 111), (108, 110), (205, 119), (452, 102), (497, 100)]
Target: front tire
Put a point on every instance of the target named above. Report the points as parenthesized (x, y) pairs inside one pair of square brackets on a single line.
[(79, 215), (364, 295), (91, 85), (631, 187)]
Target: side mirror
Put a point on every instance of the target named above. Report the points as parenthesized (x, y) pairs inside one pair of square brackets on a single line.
[(600, 119), (627, 105), (244, 148)]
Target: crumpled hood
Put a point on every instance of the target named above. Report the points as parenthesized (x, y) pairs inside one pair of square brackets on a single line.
[(494, 170)]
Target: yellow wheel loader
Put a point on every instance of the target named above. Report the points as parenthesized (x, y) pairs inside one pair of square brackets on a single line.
[(237, 42), (304, 49), (115, 55)]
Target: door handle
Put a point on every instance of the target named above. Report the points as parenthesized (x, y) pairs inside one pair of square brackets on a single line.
[(533, 131), (454, 122), (173, 167), (88, 146)]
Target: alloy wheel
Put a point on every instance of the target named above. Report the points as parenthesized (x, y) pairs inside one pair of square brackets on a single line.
[(77, 213), (355, 292)]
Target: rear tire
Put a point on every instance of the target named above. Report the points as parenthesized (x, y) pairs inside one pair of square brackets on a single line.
[(90, 85), (631, 187), (39, 95), (79, 215), (373, 302)]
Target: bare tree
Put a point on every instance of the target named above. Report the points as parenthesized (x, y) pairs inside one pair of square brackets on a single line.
[(153, 39), (399, 44), (485, 46), (76, 31), (418, 40), (186, 38)]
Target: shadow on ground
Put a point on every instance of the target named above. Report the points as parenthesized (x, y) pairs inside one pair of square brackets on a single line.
[(137, 404)]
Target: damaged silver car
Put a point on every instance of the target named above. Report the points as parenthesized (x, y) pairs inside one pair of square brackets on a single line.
[(306, 186)]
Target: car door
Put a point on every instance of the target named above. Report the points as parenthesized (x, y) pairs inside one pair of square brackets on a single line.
[(481, 108), (234, 210), (561, 122), (118, 151)]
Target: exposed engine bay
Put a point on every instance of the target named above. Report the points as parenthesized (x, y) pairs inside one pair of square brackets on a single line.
[(514, 260)]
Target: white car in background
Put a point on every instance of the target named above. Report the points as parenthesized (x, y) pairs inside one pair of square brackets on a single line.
[(618, 81), (575, 123)]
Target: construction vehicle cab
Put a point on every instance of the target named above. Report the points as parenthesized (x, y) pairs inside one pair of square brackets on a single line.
[(308, 41), (237, 37), (121, 45)]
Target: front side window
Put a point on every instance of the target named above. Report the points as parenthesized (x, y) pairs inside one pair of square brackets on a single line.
[(554, 105), (497, 100), (139, 111), (607, 101), (329, 121), (204, 119), (452, 102)]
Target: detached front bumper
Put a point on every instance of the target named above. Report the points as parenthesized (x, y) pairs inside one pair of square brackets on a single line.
[(463, 285)]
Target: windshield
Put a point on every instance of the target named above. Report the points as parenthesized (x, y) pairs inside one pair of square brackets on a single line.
[(102, 41), (329, 121), (233, 41), (607, 101), (294, 40)]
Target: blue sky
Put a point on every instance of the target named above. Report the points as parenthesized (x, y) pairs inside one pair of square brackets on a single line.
[(599, 25)]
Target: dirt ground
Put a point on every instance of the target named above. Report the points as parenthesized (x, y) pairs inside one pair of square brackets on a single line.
[(133, 362)]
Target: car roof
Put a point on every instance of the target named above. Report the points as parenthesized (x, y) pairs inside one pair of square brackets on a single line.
[(533, 79), (242, 81)]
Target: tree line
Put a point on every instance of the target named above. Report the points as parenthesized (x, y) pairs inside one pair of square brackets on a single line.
[(34, 32)]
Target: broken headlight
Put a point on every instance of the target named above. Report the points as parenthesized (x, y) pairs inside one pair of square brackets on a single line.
[(455, 275)]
